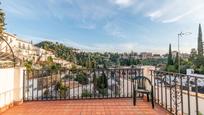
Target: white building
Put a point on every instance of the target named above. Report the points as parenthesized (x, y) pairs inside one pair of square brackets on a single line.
[(24, 50)]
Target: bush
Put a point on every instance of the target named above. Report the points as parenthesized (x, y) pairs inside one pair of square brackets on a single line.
[(102, 84), (46, 93), (68, 77), (81, 78), (62, 89), (171, 68), (86, 93)]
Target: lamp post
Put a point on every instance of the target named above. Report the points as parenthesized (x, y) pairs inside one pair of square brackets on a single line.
[(180, 35)]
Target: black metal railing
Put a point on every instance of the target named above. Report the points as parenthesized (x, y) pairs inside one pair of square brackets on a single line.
[(78, 84), (178, 93)]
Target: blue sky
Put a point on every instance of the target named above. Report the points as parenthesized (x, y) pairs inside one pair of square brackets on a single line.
[(107, 25)]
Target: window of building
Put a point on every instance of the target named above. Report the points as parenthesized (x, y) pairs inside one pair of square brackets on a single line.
[(23, 46), (19, 45)]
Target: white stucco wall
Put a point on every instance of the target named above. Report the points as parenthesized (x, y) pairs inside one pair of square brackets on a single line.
[(11, 85)]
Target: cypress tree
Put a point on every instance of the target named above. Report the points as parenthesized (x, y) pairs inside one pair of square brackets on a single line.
[(200, 42), (170, 60), (176, 61)]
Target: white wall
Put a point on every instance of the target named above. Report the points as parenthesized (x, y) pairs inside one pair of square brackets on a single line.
[(11, 86)]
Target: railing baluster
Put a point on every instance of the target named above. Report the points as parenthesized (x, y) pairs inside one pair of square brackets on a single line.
[(28, 90), (70, 75), (94, 83), (90, 71), (47, 90), (42, 79), (51, 84), (123, 83), (165, 93), (114, 75), (151, 75), (188, 84), (56, 81), (23, 85), (154, 86), (127, 82), (170, 93), (37, 77), (60, 83), (176, 109), (119, 81), (181, 88), (196, 97), (98, 72), (32, 84), (73, 83), (162, 104), (104, 85), (158, 89), (131, 77), (65, 84), (111, 83), (107, 73)]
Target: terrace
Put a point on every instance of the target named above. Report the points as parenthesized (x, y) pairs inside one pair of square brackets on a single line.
[(107, 92)]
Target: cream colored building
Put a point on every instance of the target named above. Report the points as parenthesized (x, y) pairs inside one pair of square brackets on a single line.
[(24, 50)]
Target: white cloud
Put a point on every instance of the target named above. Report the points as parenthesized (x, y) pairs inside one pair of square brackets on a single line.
[(123, 3), (177, 10)]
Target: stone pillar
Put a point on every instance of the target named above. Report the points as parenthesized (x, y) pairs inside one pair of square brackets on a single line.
[(18, 85)]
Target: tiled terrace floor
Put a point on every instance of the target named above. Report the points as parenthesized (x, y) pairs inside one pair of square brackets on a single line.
[(86, 107)]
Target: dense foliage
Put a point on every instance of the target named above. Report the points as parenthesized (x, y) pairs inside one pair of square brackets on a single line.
[(58, 49), (82, 78), (96, 59), (102, 84), (2, 21), (195, 61)]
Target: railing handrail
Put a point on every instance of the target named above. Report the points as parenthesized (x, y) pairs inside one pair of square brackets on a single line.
[(178, 74)]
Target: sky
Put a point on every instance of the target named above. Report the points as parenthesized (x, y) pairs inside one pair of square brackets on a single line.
[(107, 25)]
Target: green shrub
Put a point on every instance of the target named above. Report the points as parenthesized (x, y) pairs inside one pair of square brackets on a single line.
[(62, 89), (102, 84), (81, 78), (86, 93)]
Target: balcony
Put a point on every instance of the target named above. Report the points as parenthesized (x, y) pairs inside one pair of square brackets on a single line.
[(108, 92)]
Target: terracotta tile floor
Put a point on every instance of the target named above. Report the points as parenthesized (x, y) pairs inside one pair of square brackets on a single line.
[(85, 107)]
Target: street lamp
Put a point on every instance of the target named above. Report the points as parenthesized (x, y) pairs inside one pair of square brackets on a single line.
[(180, 35)]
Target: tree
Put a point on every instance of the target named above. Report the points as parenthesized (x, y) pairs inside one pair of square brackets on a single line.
[(82, 78), (2, 21), (193, 54), (176, 62), (62, 89), (50, 60), (102, 84), (28, 65), (171, 68), (170, 64), (170, 60), (200, 42)]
